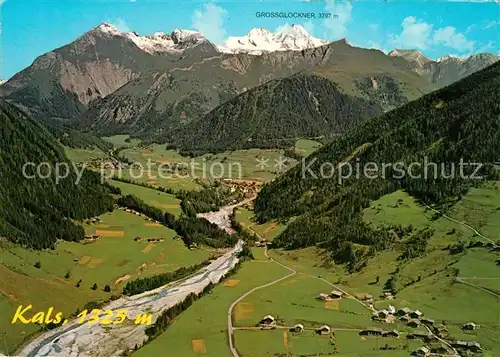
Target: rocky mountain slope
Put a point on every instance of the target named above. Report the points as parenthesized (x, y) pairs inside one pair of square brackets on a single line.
[(275, 114), (158, 102), (62, 83)]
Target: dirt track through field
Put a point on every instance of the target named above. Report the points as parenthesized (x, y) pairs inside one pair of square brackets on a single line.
[(285, 339)]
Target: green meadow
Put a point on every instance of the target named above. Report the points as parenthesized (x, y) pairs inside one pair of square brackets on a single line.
[(161, 200), (201, 330), (427, 283), (83, 155), (259, 343)]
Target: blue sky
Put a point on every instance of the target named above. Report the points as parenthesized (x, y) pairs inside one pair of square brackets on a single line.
[(30, 28)]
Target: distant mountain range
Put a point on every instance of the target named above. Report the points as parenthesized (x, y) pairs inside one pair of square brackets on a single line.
[(108, 81), (447, 69)]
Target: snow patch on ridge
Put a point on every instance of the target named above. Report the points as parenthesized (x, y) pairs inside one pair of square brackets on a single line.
[(159, 42)]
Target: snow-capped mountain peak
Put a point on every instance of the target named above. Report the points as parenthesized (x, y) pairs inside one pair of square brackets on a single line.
[(158, 42), (413, 56), (259, 40)]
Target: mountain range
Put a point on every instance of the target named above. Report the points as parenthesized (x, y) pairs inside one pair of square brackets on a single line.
[(260, 40), (108, 81)]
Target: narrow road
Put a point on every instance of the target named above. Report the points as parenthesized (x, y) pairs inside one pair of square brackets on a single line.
[(230, 328), (461, 223)]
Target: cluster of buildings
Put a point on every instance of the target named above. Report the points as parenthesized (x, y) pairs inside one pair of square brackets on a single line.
[(471, 346), (432, 337), (269, 321), (149, 240), (463, 346), (333, 295), (405, 315), (155, 240), (367, 298), (133, 212), (387, 295)]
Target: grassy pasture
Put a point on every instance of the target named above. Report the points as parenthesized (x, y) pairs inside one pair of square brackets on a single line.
[(161, 200), (83, 155), (305, 147), (240, 164), (291, 301), (294, 301), (103, 262)]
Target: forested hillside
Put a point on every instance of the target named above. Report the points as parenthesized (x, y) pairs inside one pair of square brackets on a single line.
[(275, 115), (37, 212), (459, 122)]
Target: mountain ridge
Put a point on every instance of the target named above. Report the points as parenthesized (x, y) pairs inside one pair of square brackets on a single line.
[(120, 82)]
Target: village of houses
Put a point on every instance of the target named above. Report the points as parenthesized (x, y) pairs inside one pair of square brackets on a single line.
[(434, 335)]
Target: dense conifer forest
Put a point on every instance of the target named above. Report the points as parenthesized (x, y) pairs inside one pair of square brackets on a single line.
[(36, 212), (274, 115), (457, 123), (152, 282)]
